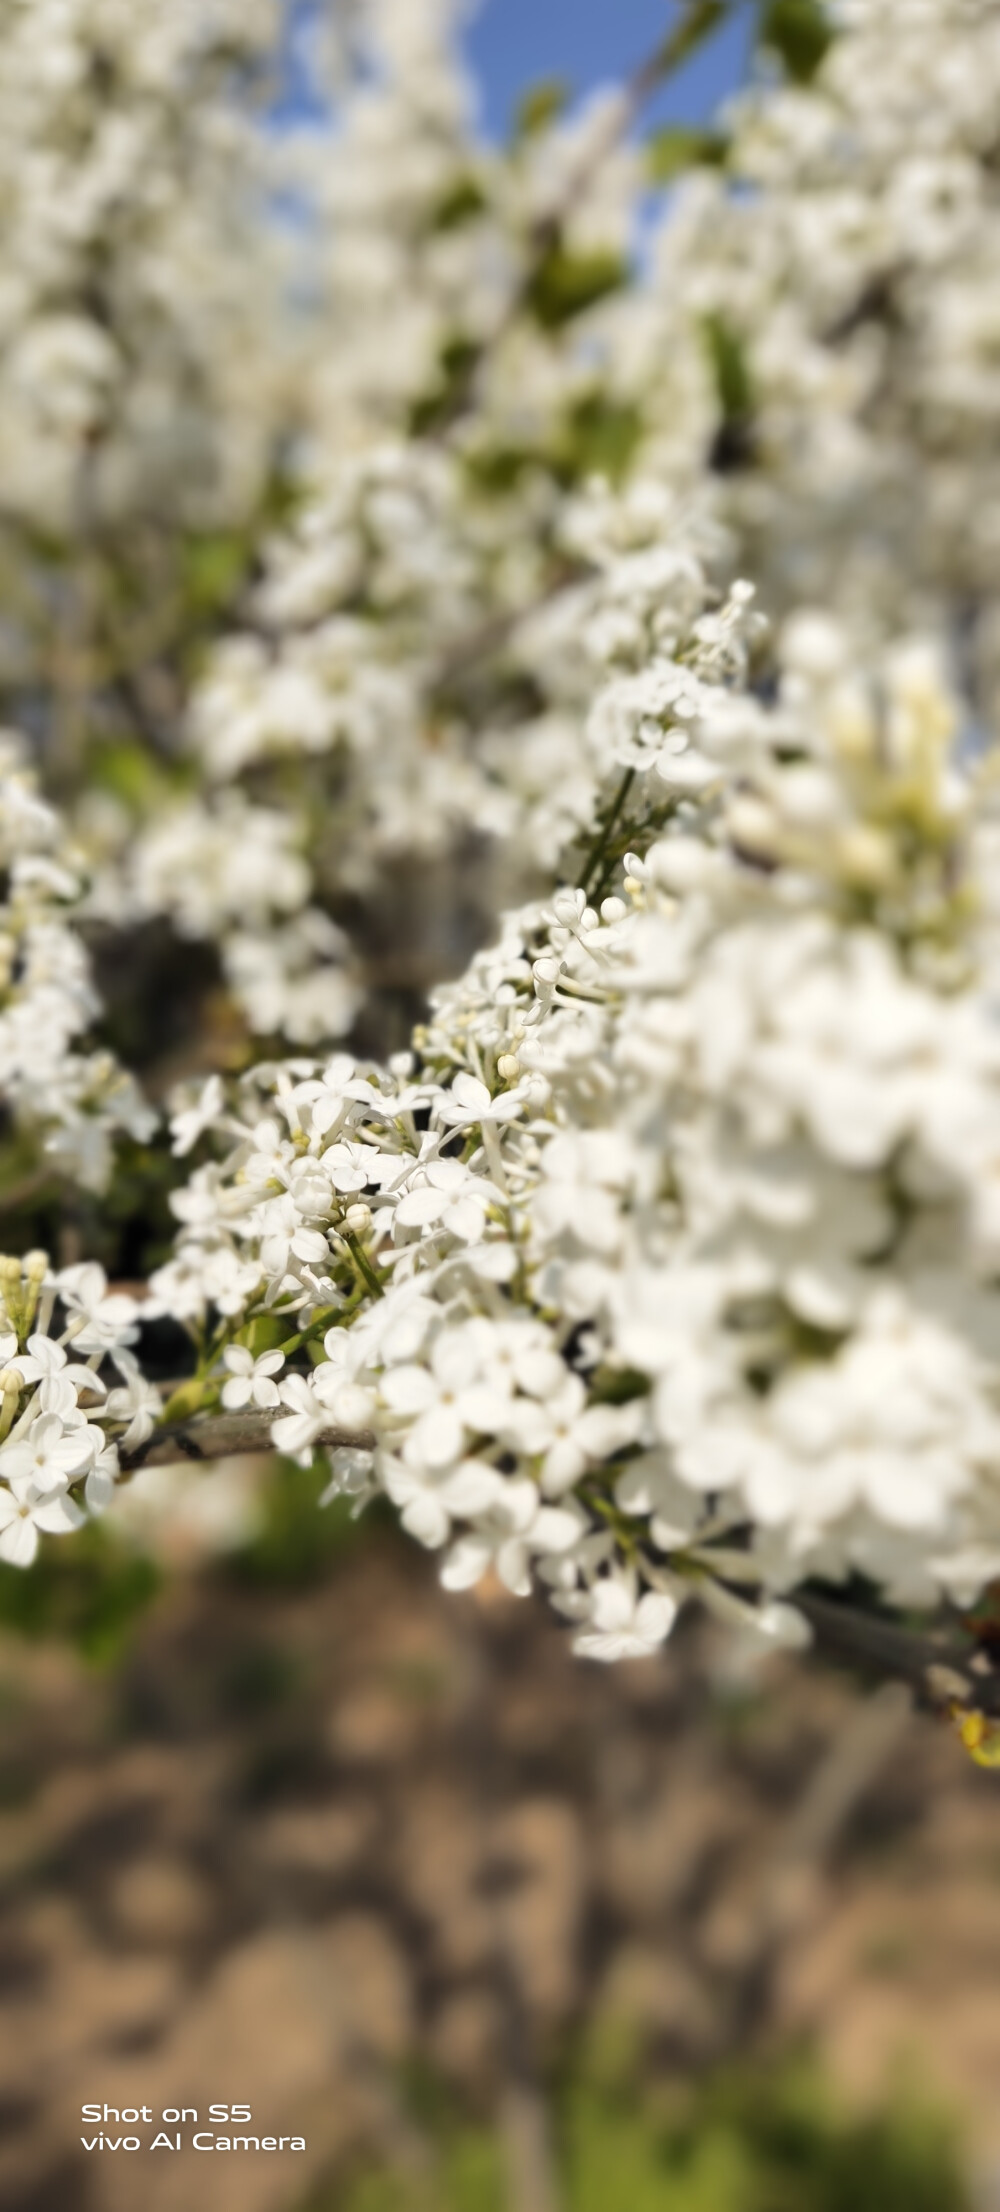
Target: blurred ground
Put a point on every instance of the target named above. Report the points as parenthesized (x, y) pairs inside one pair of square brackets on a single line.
[(303, 1833)]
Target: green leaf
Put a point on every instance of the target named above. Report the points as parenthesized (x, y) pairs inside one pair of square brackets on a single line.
[(701, 19), (618, 1386), (732, 371), (126, 767), (542, 104), (463, 200), (266, 1332), (457, 362), (599, 439), (496, 469), (799, 32), (214, 568), (565, 284), (678, 147), (189, 1398)]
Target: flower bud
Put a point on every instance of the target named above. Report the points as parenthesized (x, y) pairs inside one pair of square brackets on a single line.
[(865, 856)]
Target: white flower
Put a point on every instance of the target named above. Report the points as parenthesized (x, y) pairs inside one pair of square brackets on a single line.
[(42, 1357), (190, 1122), (328, 1400), (446, 1195), (350, 1473), (446, 1401), (622, 1625), (135, 1402), (23, 1512), (430, 1497), (348, 1403), (98, 1490), (284, 1237), (515, 1527), (97, 1322), (297, 1431), (584, 1174), (571, 1433), (469, 1101), (47, 1455), (61, 1390), (250, 1380)]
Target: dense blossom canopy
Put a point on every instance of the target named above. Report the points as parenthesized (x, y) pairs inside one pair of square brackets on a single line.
[(634, 572)]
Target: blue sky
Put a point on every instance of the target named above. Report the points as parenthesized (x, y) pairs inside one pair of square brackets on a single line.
[(514, 43)]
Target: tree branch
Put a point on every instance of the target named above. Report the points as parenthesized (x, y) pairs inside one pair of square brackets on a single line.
[(942, 1663), (224, 1436)]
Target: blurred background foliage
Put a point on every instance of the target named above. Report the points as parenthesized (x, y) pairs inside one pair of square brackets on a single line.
[(758, 2139)]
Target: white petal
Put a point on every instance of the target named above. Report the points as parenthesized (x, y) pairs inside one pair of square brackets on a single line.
[(425, 1518), (471, 1094), (58, 1516), (437, 1438), (419, 1207), (407, 1389), (655, 1615), (562, 1467), (466, 1563), (513, 1567), (612, 1605), (554, 1530), (19, 1542), (472, 1489)]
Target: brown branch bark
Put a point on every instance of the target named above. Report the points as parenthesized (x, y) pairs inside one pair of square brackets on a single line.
[(224, 1436), (941, 1663)]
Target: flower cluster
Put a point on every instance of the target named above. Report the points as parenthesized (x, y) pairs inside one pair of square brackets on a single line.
[(179, 391), (126, 171), (667, 1259), (444, 353), (820, 329), (65, 1103), (60, 1422), (671, 1258)]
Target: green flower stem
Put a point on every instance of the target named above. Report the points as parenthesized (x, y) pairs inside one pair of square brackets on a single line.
[(332, 1317), (592, 863), (364, 1266)]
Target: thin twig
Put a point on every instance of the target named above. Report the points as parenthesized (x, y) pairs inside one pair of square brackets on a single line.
[(591, 871)]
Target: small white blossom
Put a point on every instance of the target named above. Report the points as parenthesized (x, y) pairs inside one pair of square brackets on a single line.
[(623, 1625), (251, 1381), (23, 1512), (46, 1455)]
